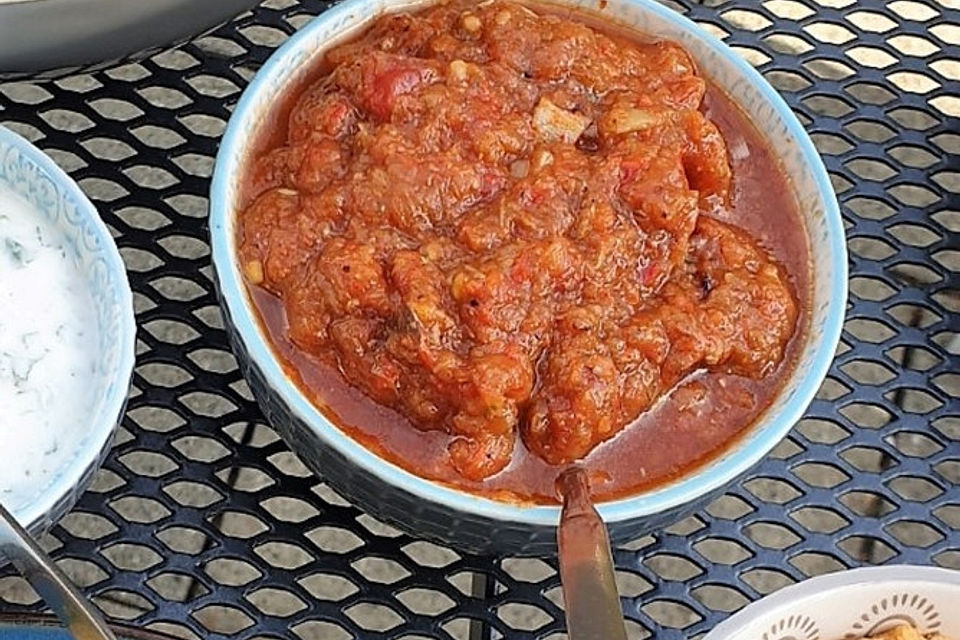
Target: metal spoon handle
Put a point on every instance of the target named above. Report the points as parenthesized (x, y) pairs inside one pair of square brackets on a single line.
[(76, 613), (586, 566)]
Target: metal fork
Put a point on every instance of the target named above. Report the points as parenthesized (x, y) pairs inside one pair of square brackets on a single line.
[(76, 612)]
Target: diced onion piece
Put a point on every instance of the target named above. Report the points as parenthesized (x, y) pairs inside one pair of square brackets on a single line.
[(432, 251), (626, 120), (471, 23), (541, 158), (254, 271), (554, 123), (520, 168), (428, 314), (458, 70)]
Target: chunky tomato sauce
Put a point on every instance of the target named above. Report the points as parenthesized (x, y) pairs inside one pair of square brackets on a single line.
[(491, 243)]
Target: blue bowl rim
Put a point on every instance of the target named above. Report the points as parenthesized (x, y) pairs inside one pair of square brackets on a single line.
[(104, 424), (749, 450)]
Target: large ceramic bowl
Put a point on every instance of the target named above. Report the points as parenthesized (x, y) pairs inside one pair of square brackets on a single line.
[(475, 523), (27, 171), (852, 604), (45, 35)]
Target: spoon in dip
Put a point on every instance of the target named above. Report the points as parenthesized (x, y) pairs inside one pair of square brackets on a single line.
[(75, 612), (586, 565)]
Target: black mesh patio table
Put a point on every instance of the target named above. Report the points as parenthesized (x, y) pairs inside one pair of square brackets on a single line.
[(203, 524)]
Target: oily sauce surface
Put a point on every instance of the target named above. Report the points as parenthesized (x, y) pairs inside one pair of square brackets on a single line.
[(731, 363)]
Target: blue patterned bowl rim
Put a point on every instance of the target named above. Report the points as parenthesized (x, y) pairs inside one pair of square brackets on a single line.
[(53, 500), (743, 455)]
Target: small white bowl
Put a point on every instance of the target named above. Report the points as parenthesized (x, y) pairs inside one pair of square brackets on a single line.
[(28, 172), (852, 604)]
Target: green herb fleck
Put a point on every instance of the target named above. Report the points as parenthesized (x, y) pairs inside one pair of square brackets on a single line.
[(16, 251), (20, 254)]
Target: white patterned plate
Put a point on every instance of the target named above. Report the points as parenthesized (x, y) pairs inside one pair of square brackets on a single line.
[(852, 604)]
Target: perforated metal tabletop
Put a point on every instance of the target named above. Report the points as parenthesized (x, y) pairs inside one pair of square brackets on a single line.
[(203, 524)]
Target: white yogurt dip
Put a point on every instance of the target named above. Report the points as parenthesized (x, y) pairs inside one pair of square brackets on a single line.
[(48, 351)]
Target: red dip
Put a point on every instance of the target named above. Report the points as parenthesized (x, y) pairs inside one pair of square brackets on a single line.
[(490, 242)]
